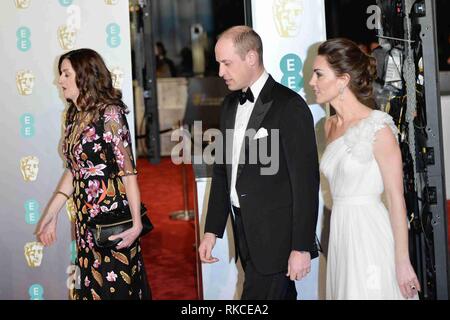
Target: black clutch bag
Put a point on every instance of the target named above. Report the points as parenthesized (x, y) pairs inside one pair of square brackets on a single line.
[(114, 222)]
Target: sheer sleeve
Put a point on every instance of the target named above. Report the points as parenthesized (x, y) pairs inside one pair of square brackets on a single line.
[(118, 135)]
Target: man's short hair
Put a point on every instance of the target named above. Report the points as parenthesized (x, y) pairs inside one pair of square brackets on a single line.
[(244, 39)]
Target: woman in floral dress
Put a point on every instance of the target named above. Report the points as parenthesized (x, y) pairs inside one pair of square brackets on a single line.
[(100, 177)]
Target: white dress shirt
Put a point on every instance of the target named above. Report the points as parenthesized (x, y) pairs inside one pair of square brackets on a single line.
[(243, 114)]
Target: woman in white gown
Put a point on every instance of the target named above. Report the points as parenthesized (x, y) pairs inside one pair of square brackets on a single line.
[(368, 254)]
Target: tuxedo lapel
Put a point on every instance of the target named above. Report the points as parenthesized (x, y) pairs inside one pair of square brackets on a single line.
[(262, 106)]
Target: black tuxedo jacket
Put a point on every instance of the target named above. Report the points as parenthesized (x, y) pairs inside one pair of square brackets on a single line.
[(279, 211)]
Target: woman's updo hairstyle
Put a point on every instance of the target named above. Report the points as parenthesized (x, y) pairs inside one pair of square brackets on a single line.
[(344, 56)]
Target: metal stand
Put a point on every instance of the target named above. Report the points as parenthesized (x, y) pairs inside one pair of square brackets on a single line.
[(423, 156), (185, 214)]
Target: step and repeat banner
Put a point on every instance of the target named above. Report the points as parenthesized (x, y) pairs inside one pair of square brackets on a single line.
[(290, 45), (291, 31), (33, 34)]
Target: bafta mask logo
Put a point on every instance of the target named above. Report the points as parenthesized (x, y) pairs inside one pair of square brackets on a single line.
[(34, 252), (71, 210), (29, 167), (67, 37), (25, 82), (22, 4), (117, 77), (287, 16), (111, 2)]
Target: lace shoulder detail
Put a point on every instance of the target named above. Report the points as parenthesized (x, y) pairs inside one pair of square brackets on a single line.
[(382, 119), (359, 139)]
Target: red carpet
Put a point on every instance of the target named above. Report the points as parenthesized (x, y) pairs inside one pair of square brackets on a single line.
[(169, 252)]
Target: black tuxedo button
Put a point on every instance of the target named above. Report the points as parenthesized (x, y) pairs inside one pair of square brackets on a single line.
[(243, 195)]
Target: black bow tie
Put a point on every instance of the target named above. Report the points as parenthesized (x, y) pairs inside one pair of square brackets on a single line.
[(247, 95)]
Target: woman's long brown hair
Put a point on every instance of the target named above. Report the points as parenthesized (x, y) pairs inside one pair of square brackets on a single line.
[(94, 83)]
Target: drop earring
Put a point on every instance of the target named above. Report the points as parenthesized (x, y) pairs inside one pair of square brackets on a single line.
[(341, 93)]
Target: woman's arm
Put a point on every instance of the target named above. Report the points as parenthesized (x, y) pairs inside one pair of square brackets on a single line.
[(117, 126), (46, 228), (134, 199), (388, 155)]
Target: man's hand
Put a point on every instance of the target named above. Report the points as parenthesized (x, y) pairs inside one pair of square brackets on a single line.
[(206, 246), (299, 264)]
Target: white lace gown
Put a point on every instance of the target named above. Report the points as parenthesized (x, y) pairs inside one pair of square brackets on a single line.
[(360, 262)]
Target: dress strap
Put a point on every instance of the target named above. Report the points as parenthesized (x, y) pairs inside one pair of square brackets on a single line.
[(380, 120), (360, 139)]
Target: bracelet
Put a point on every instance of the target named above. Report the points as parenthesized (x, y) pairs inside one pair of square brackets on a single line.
[(64, 194)]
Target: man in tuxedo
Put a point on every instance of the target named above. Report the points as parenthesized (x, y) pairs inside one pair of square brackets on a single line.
[(274, 212)]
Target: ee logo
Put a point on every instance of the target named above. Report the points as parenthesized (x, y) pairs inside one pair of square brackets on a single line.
[(32, 213), (65, 3), (23, 35), (73, 251), (36, 292), (291, 65), (113, 31), (27, 122)]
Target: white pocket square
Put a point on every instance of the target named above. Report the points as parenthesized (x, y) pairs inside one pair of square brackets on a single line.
[(262, 132)]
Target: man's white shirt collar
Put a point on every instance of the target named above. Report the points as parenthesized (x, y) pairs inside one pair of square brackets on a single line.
[(258, 85)]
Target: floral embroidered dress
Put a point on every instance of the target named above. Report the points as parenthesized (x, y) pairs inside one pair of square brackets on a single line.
[(98, 155)]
